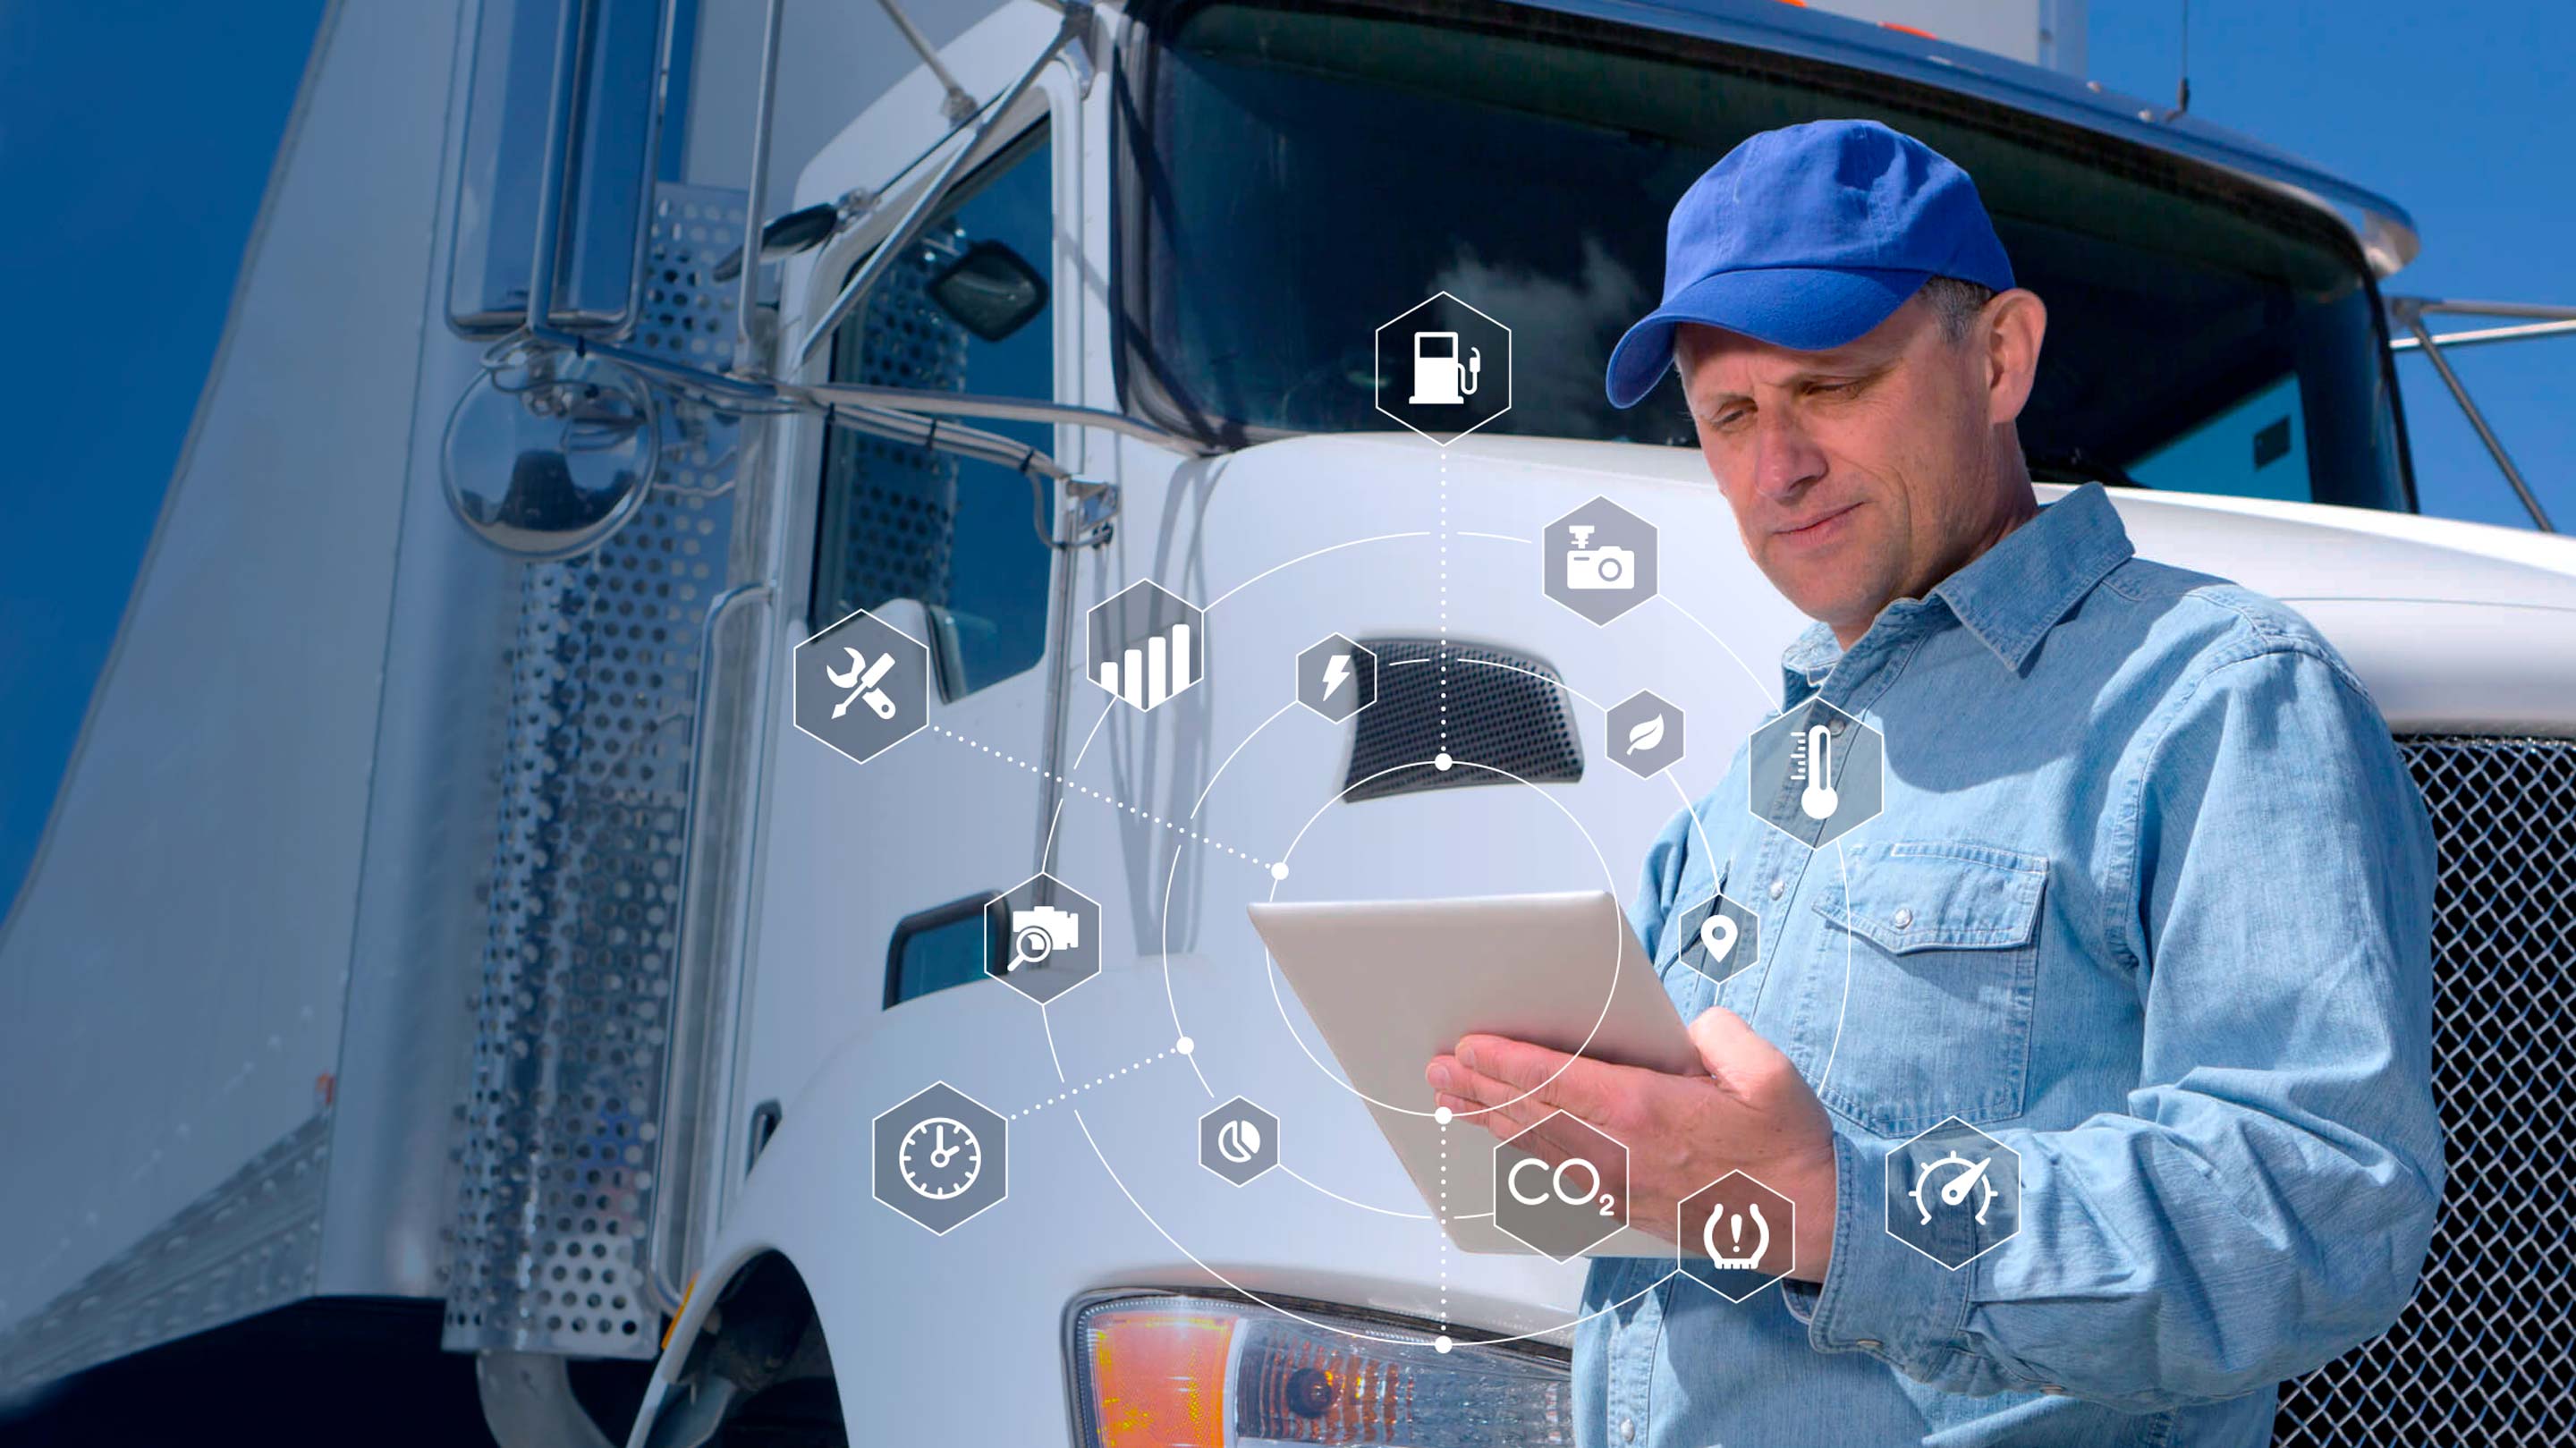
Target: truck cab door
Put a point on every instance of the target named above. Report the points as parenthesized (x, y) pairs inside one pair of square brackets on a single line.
[(873, 877)]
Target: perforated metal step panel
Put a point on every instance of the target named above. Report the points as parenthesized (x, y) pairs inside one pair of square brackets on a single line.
[(562, 1153)]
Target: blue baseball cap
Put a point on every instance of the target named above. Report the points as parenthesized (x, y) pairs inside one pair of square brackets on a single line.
[(1806, 237)]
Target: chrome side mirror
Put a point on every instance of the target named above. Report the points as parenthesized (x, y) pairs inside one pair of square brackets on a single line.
[(547, 453)]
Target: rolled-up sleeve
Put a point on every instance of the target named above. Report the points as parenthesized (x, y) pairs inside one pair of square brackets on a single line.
[(2264, 1202)]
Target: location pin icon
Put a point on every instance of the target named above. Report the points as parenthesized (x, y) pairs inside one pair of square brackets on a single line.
[(1717, 933)]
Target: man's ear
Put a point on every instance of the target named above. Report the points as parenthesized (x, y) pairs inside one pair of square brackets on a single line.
[(2012, 324)]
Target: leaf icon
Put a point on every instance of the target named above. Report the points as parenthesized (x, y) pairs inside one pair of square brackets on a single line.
[(1646, 735)]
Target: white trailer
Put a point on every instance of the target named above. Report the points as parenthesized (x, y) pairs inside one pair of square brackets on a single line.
[(457, 913)]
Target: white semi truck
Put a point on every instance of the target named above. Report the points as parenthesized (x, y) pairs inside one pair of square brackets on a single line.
[(444, 902)]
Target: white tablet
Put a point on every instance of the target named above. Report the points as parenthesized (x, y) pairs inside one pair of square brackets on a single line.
[(1393, 983)]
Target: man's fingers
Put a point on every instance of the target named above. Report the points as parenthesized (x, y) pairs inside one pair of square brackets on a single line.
[(1503, 1122), (1518, 1062), (1592, 1090)]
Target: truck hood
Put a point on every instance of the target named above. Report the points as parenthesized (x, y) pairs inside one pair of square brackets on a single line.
[(2456, 627)]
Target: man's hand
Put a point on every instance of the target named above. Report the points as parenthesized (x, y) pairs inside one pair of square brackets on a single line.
[(1751, 1113)]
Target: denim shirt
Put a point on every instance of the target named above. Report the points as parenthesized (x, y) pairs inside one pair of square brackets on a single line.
[(2149, 901)]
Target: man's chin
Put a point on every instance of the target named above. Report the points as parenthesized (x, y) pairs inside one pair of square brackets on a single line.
[(1826, 600)]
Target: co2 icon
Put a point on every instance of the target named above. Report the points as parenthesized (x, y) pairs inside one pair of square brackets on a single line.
[(1561, 1186)]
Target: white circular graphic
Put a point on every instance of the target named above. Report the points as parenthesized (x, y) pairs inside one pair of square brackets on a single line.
[(1238, 1141)]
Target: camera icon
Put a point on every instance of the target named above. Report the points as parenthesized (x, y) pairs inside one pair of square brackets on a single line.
[(1042, 937), (1040, 932), (1599, 560), (1608, 566)]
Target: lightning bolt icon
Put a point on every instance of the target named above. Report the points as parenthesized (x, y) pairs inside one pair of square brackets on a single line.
[(1337, 672)]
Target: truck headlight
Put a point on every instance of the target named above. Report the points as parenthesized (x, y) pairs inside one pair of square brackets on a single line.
[(1175, 1371)]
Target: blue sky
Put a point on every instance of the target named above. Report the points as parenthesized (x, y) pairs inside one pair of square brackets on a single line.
[(136, 166)]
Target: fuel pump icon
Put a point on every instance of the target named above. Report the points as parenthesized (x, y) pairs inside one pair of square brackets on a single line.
[(1437, 376), (1442, 368)]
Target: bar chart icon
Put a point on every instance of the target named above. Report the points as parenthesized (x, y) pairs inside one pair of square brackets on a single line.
[(1148, 644)]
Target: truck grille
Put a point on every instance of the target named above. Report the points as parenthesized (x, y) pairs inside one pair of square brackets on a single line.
[(2482, 1355)]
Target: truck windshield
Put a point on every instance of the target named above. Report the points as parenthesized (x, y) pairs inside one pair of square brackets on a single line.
[(1291, 178)]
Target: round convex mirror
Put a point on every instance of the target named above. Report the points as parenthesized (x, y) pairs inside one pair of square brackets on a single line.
[(547, 454)]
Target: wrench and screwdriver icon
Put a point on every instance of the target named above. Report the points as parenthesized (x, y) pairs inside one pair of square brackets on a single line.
[(857, 682)]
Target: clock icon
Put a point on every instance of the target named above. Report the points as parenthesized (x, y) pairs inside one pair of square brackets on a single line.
[(940, 1157)]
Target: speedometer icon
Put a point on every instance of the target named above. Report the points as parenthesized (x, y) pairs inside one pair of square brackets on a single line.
[(1969, 1179), (1953, 1193)]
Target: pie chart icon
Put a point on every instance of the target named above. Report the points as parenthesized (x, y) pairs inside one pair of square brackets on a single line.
[(1238, 1141)]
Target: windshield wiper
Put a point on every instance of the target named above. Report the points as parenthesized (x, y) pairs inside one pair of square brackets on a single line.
[(2074, 465)]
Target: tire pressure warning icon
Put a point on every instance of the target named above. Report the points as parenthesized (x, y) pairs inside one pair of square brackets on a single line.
[(1736, 1236)]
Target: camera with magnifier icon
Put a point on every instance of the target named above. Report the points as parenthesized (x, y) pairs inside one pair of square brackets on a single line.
[(1040, 931)]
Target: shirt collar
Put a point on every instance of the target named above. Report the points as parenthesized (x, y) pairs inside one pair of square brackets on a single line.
[(2012, 594)]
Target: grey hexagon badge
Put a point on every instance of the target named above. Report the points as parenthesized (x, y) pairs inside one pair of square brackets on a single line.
[(1238, 1141), (1736, 1236), (941, 1157), (1148, 644), (1336, 677), (1053, 942), (1562, 1208), (1645, 734), (861, 686), (1953, 1193), (1444, 369), (1598, 560), (1721, 937), (1816, 773)]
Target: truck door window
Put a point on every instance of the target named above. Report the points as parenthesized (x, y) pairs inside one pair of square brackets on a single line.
[(899, 521), (943, 946)]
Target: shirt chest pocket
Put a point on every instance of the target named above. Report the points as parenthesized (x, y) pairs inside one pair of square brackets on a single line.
[(1942, 939)]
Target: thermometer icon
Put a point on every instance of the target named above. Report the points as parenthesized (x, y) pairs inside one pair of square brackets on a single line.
[(1818, 799)]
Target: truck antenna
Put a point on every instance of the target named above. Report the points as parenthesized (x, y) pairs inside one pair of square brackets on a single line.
[(2182, 67)]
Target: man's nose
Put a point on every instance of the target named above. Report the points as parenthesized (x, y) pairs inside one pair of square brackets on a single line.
[(1785, 458)]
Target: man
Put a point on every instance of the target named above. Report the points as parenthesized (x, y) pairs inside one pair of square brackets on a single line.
[(2148, 901)]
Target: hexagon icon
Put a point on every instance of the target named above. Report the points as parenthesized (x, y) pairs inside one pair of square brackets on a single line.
[(1953, 1193), (1238, 1141), (1645, 734), (1598, 560), (1721, 937), (861, 686), (941, 1157), (1564, 1209), (1054, 939), (1336, 677), (1444, 369), (1736, 1236), (1816, 773), (1147, 644)]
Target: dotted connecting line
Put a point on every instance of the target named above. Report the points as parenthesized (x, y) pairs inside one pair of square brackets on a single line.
[(1278, 871), (1443, 1224), (1444, 600), (1072, 1091)]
